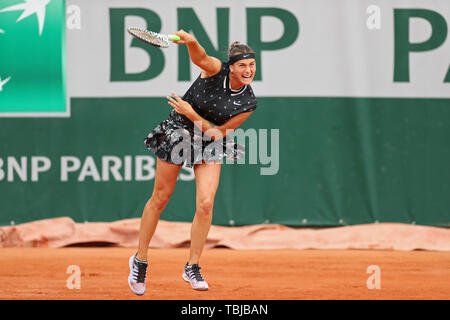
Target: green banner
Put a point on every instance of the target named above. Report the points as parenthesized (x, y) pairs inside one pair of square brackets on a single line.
[(341, 161), (32, 58), (352, 123)]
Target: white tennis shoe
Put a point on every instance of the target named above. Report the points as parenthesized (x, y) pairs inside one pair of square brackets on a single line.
[(193, 275), (138, 273)]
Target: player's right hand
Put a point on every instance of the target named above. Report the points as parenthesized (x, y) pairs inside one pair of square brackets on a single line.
[(185, 38)]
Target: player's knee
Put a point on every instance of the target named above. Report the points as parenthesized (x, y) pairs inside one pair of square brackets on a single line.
[(160, 199), (205, 206)]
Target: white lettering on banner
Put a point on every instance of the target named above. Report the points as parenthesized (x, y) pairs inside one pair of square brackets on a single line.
[(132, 168), (114, 168), (186, 177), (127, 169), (2, 173), (14, 169), (21, 170), (66, 168), (145, 163), (89, 169), (36, 168), (262, 150), (75, 169), (120, 170)]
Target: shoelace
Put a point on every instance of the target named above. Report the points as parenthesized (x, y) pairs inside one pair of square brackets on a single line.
[(194, 272), (139, 271)]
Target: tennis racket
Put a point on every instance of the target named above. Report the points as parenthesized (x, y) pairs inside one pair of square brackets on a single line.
[(153, 38)]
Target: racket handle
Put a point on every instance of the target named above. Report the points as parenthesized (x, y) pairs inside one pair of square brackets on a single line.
[(174, 37)]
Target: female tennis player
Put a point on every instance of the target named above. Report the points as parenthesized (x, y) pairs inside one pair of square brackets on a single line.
[(221, 98)]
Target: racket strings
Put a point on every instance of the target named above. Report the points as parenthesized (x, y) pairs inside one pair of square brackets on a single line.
[(160, 36), (150, 37)]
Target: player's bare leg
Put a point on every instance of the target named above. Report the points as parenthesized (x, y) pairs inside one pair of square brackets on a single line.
[(165, 181), (207, 177)]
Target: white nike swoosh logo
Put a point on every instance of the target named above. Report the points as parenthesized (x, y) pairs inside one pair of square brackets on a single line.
[(238, 104)]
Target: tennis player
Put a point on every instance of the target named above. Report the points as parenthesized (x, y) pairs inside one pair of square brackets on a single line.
[(218, 101)]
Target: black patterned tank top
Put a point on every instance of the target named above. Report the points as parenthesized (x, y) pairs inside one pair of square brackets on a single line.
[(214, 100)]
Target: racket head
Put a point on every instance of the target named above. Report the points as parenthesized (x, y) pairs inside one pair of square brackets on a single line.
[(150, 37)]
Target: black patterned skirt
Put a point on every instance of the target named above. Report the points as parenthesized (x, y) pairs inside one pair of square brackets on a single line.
[(177, 140)]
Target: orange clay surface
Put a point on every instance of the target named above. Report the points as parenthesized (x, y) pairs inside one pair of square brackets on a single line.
[(37, 273)]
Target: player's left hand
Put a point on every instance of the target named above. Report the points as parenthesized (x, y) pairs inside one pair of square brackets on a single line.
[(180, 106)]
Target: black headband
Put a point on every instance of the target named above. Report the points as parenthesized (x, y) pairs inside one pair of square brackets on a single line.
[(241, 56)]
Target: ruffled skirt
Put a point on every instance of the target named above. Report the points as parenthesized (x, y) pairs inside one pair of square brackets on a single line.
[(177, 140)]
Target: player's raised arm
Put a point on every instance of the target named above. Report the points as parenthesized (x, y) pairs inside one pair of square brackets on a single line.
[(209, 65)]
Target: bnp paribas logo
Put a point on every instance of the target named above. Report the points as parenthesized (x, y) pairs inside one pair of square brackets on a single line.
[(32, 58)]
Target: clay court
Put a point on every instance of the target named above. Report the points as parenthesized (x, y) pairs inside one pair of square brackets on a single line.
[(331, 119), (40, 273)]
